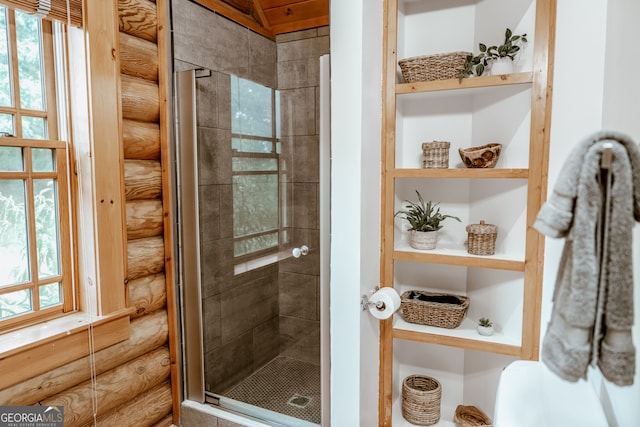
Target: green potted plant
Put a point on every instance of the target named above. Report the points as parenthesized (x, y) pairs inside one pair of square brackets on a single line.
[(485, 326), (500, 58), (425, 220)]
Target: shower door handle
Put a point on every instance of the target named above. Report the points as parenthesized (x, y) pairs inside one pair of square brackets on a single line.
[(302, 250)]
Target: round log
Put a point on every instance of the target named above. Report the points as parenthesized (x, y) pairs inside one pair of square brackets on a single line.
[(113, 388), (139, 18), (145, 410), (147, 294), (140, 99), (144, 218), (138, 57), (147, 333), (145, 257), (165, 422), (141, 140), (142, 179)]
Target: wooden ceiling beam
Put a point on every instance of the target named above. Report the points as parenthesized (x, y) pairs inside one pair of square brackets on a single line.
[(235, 15), (259, 10), (297, 16)]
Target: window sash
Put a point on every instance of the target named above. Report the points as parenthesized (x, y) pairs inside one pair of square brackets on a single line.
[(59, 175)]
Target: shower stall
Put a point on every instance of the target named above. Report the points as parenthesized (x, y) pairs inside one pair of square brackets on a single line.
[(252, 226)]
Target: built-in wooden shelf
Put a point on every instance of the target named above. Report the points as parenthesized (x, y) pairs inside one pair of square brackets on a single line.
[(467, 83), (464, 336), (460, 257), (513, 173)]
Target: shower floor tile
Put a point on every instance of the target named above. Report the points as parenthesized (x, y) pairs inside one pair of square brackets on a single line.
[(284, 385)]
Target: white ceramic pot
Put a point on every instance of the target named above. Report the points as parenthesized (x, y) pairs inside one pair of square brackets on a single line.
[(485, 330), (423, 239), (501, 66)]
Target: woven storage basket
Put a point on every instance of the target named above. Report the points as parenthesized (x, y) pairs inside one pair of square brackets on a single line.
[(421, 400), (482, 238), (443, 315), (470, 416), (436, 154), (433, 67)]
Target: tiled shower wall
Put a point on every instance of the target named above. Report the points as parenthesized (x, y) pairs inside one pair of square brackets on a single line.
[(252, 317), (299, 284)]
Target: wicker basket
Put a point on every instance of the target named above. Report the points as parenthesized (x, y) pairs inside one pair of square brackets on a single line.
[(433, 67), (421, 400), (470, 416), (433, 313), (436, 154), (482, 238)]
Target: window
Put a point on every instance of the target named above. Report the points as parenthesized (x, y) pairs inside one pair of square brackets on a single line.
[(255, 133), (35, 272)]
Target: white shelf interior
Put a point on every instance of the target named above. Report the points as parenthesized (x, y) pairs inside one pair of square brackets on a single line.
[(499, 202), (492, 293), (433, 27), (465, 118), (467, 377)]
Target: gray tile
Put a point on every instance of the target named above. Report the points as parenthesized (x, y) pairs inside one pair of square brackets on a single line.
[(190, 417), (214, 156), (306, 159), (224, 100), (227, 423), (265, 342), (293, 330), (209, 204), (245, 307), (298, 109), (206, 101), (302, 49), (211, 323), (297, 35), (323, 31), (293, 74), (307, 348), (226, 211), (298, 295), (229, 364), (216, 260), (305, 205)]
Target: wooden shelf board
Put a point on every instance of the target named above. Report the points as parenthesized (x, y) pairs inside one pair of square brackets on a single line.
[(446, 415), (468, 83), (464, 336), (510, 173), (460, 257)]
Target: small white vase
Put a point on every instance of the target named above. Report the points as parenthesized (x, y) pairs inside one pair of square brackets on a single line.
[(501, 66), (485, 330), (423, 239)]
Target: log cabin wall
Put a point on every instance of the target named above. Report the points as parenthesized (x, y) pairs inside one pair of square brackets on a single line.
[(132, 386)]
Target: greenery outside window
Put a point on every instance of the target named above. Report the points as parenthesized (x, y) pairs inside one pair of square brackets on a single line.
[(255, 129), (35, 248)]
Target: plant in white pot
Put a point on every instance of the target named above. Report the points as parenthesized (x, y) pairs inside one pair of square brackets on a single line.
[(499, 58), (425, 220), (485, 326)]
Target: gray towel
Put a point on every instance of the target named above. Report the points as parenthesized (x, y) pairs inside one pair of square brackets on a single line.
[(593, 299)]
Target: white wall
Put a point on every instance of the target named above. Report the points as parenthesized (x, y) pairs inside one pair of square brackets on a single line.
[(590, 95), (621, 111), (356, 36)]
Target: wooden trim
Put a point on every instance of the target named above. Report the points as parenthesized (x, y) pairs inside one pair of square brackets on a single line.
[(514, 173), (227, 11), (13, 49), (468, 83), (106, 150), (49, 80), (543, 54), (34, 350), (464, 261), (167, 155), (389, 58), (498, 348)]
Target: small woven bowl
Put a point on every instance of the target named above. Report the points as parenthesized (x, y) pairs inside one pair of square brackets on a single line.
[(483, 156)]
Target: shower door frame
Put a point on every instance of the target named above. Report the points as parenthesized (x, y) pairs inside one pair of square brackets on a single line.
[(189, 249)]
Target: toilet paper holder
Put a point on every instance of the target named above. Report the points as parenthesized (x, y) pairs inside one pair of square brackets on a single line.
[(365, 302)]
